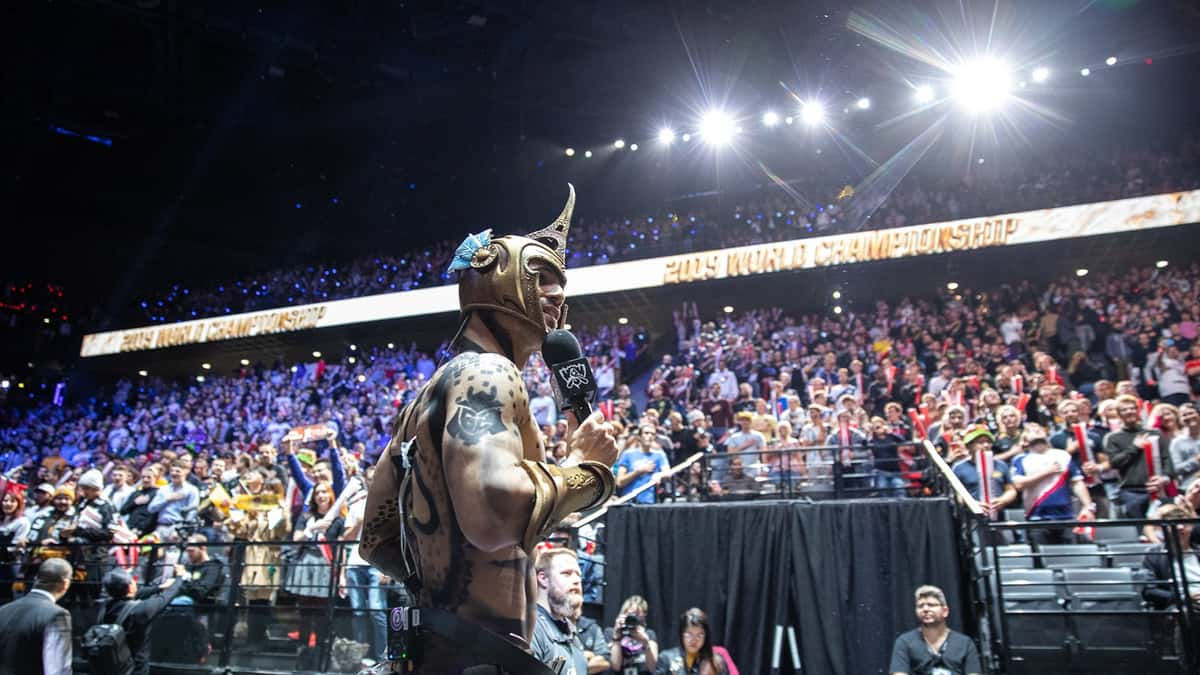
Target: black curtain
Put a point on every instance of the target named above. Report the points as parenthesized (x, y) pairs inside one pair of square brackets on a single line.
[(842, 573)]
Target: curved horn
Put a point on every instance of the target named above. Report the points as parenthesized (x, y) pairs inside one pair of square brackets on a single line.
[(554, 235)]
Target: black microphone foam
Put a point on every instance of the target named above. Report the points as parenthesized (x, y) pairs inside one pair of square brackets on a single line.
[(573, 381)]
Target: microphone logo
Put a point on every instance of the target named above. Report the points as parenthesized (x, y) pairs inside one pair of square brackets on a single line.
[(574, 376)]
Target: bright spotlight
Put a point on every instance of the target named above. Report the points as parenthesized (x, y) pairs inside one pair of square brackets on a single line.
[(1085, 72), (812, 113), (1041, 74), (587, 154), (863, 103), (687, 137), (570, 152), (982, 85), (1161, 264), (206, 366), (245, 362), (391, 345), (837, 295), (666, 135), (1081, 272), (1110, 61), (728, 309), (633, 147), (618, 144), (923, 94), (622, 320), (788, 119), (953, 286), (837, 309), (353, 348), (716, 128), (770, 118), (316, 355), (143, 373), (200, 379), (352, 360)]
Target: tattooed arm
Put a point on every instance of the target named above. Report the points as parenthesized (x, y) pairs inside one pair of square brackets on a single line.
[(482, 449)]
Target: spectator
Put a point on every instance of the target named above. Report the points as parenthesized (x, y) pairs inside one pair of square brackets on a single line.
[(136, 511), (543, 407), (37, 632), (934, 647), (884, 445), (639, 466), (202, 576), (1125, 454), (1173, 385), (559, 604), (634, 646), (265, 521), (1185, 448), (963, 454), (173, 502), (122, 589), (737, 482), (695, 655), (308, 569), (1157, 562), (14, 531), (1047, 477)]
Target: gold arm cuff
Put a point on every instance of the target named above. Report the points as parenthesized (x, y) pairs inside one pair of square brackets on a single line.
[(561, 491)]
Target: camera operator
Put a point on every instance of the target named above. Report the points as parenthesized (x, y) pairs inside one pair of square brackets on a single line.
[(634, 647), (122, 589)]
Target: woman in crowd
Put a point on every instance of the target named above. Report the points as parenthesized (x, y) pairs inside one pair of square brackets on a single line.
[(309, 565), (633, 646), (695, 655), (14, 530), (260, 569)]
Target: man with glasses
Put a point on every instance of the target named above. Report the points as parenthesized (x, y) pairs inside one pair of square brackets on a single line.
[(933, 649), (641, 465)]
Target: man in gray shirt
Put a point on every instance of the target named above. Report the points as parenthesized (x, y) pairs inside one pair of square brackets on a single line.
[(1185, 448), (556, 640)]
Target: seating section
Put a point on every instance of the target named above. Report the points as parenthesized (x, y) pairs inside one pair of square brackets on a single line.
[(1062, 556)]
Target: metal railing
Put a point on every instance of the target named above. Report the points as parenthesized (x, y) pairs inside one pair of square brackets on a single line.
[(279, 606)]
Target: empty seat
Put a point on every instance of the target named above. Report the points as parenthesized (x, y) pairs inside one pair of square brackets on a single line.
[(1014, 515), (1106, 590), (1129, 555), (1062, 556), (1027, 591), (1117, 533), (1014, 556)]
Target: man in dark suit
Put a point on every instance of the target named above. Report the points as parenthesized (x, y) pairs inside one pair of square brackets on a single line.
[(37, 632)]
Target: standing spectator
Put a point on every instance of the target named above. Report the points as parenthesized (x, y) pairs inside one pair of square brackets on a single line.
[(14, 531), (92, 527), (137, 513), (173, 501), (1047, 477), (963, 454), (559, 604), (724, 381), (695, 654), (641, 465), (933, 647), (308, 570), (118, 491), (885, 452), (1125, 454), (259, 568), (36, 631), (1173, 385), (543, 407), (1185, 447), (719, 410)]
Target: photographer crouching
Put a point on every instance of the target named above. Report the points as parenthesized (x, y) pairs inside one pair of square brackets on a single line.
[(634, 649)]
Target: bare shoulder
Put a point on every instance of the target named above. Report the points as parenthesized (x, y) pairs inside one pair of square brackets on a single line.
[(483, 392)]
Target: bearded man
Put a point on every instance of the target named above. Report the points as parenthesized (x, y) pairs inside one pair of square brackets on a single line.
[(556, 640), (462, 494)]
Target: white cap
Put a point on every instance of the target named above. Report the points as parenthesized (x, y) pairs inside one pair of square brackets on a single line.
[(92, 479)]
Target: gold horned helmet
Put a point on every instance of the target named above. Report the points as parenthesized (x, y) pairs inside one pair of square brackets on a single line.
[(497, 274)]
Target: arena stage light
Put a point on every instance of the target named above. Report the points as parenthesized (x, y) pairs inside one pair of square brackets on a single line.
[(666, 135), (687, 137), (1085, 71), (353, 348), (570, 152), (812, 112), (982, 85), (200, 379), (837, 295), (953, 286), (622, 320), (716, 128), (1041, 74), (587, 154), (1081, 272), (770, 118), (1161, 264), (316, 355), (206, 366), (728, 309), (837, 309), (391, 345), (863, 103), (923, 94), (1110, 61), (245, 362), (143, 373), (619, 143), (633, 147)]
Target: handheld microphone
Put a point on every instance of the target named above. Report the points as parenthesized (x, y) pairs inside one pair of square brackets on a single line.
[(574, 385)]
